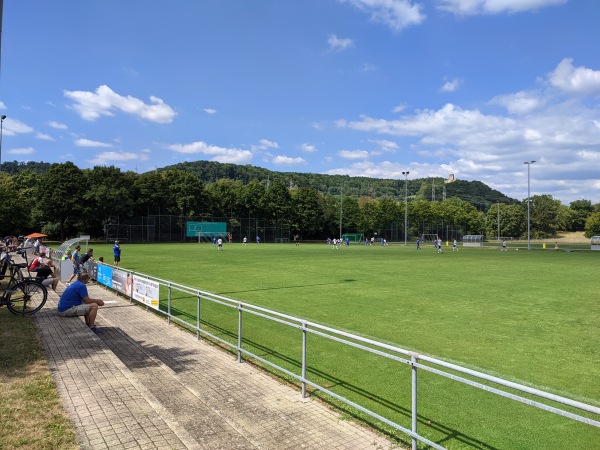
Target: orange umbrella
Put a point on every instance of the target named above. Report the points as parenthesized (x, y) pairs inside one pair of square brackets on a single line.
[(35, 235)]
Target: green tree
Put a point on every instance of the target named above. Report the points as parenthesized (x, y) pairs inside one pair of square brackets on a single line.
[(12, 214), (225, 197), (109, 193), (368, 209), (153, 195), (350, 215), (580, 211), (60, 205), (331, 215), (513, 221), (308, 212), (278, 203), (420, 216), (386, 213), (545, 219), (592, 225), (188, 194), (252, 200)]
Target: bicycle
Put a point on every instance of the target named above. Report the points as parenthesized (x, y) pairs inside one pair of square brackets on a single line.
[(21, 295)]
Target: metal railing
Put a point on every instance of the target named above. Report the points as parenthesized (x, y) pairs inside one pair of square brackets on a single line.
[(412, 359)]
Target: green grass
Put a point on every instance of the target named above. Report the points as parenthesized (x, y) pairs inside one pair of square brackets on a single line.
[(530, 317), (31, 415)]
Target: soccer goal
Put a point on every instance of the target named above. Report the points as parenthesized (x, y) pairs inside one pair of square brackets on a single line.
[(472, 240), (595, 242), (429, 237), (353, 237)]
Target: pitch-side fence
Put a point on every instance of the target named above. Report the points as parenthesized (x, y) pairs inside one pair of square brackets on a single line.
[(415, 361)]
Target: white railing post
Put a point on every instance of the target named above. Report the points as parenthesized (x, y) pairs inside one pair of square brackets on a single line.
[(168, 303), (414, 414), (239, 349), (303, 359), (198, 317)]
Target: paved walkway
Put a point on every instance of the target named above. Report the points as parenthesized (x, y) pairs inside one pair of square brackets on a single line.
[(146, 384)]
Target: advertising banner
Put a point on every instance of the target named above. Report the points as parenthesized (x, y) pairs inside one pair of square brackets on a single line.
[(141, 289), (120, 278), (104, 275), (146, 291)]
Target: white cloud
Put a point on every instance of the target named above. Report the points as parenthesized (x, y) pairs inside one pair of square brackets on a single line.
[(396, 14), (91, 105), (476, 7), (337, 45), (287, 161), (451, 86), (89, 143), (44, 137), (106, 158), (21, 151), (388, 146), (562, 134), (384, 169), (446, 124), (265, 144), (399, 108), (57, 125), (2, 105), (12, 127), (307, 147), (575, 80), (209, 111), (521, 102), (220, 154), (353, 154), (368, 67)]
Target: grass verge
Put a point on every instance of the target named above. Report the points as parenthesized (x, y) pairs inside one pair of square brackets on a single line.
[(31, 415)]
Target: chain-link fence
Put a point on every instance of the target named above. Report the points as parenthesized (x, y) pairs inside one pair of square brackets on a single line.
[(169, 228)]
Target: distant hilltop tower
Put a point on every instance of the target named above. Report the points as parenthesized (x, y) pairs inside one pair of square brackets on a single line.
[(450, 179)]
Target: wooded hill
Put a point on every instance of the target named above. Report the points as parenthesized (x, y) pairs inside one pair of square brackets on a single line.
[(474, 192)]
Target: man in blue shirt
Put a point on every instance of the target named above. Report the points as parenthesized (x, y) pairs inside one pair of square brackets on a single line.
[(75, 301), (117, 253)]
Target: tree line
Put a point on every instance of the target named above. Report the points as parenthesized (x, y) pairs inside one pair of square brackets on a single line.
[(62, 200)]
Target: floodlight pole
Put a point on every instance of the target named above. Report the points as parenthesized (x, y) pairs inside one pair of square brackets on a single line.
[(341, 209), (529, 163), (2, 117), (405, 205), (498, 221)]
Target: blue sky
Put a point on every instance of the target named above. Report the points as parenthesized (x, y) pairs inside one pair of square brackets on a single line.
[(358, 87)]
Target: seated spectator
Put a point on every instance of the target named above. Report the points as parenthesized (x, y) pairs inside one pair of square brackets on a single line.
[(46, 274), (37, 263), (75, 301)]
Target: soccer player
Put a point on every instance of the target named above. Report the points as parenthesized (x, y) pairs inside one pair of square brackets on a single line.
[(117, 253)]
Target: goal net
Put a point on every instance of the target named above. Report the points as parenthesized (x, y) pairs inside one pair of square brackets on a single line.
[(353, 237)]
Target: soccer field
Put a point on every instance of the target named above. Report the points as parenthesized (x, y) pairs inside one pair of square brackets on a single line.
[(530, 317)]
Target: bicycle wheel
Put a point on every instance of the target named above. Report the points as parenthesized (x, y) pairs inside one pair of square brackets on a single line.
[(26, 297)]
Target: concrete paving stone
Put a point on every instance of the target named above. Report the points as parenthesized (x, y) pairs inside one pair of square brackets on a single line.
[(96, 441), (156, 386)]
